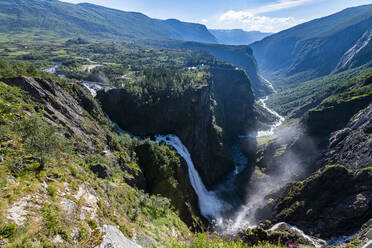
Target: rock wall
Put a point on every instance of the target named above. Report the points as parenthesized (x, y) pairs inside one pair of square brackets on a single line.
[(206, 118), (332, 202)]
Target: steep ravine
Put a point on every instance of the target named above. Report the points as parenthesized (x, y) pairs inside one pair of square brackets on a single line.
[(207, 119)]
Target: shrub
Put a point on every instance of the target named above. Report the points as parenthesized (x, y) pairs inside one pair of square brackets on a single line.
[(54, 222), (42, 140), (92, 224), (52, 191), (8, 230)]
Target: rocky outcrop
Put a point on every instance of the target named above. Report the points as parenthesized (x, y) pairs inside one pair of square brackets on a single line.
[(280, 233), (101, 171), (206, 118), (62, 108), (352, 145), (326, 119), (332, 202), (359, 54), (114, 238)]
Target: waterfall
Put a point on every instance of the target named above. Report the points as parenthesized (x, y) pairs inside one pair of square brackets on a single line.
[(92, 87), (53, 69), (210, 205)]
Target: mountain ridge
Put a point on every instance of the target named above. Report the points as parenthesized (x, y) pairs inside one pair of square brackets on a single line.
[(92, 21), (313, 49), (237, 36)]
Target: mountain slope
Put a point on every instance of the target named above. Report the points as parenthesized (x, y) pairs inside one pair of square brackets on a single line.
[(359, 54), (93, 21), (314, 48), (83, 174), (237, 36)]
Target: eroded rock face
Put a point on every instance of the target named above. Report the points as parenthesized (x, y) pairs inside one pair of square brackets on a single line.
[(114, 238), (358, 54), (352, 146), (19, 212), (332, 202), (62, 107), (206, 119)]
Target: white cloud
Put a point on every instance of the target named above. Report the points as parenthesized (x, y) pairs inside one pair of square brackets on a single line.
[(282, 4), (253, 19), (259, 22)]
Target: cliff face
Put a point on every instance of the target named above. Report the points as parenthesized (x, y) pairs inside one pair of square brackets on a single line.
[(352, 145), (241, 56), (92, 174), (330, 203), (328, 119), (166, 174), (206, 118)]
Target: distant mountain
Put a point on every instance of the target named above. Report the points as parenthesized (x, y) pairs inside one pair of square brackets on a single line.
[(237, 36), (316, 48), (65, 19)]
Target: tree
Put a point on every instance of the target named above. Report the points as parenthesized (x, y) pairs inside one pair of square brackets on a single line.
[(42, 140)]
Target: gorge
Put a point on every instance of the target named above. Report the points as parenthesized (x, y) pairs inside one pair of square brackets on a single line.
[(121, 130)]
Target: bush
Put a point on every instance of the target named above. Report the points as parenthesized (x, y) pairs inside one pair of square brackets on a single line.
[(42, 140), (92, 224), (8, 230), (52, 191), (54, 222)]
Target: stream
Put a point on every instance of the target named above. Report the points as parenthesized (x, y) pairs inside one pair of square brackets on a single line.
[(213, 204), (279, 122)]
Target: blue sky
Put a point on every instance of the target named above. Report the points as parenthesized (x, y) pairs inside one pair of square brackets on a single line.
[(262, 15)]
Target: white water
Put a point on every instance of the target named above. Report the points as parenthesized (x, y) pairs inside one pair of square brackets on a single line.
[(53, 69), (92, 87), (368, 245), (210, 205), (269, 83), (314, 241), (275, 125)]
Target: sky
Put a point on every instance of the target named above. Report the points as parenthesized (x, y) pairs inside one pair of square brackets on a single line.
[(260, 15)]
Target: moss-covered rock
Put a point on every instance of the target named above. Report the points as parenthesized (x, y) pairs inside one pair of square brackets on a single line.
[(166, 174)]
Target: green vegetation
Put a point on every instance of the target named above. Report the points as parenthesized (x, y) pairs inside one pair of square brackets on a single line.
[(296, 101), (42, 164), (211, 240)]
